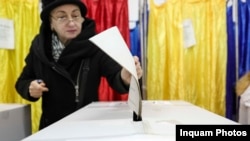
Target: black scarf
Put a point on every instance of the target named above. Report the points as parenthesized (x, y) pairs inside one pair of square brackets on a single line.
[(78, 48)]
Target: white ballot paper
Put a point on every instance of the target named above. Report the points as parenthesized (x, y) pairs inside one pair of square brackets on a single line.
[(113, 44)]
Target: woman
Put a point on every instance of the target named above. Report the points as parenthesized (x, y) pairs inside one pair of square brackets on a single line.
[(63, 66)]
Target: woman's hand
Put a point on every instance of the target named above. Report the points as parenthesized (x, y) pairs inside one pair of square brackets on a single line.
[(126, 75), (36, 88)]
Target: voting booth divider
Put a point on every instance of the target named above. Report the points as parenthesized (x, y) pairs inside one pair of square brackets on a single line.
[(15, 121)]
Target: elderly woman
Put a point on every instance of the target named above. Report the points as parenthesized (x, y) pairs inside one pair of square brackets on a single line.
[(63, 67)]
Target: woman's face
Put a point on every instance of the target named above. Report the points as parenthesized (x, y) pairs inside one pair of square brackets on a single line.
[(66, 21)]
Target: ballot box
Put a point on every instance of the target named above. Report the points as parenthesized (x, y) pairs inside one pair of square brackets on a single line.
[(113, 121), (15, 121)]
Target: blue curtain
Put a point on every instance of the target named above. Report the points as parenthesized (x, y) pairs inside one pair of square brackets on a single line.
[(244, 37), (135, 40), (231, 66)]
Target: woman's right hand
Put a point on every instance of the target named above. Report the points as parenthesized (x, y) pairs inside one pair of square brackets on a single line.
[(36, 88)]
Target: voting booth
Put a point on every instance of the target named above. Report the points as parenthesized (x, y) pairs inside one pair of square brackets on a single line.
[(132, 120), (15, 121), (244, 107), (248, 112)]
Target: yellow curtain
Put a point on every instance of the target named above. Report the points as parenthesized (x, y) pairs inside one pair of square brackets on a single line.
[(25, 14), (196, 74)]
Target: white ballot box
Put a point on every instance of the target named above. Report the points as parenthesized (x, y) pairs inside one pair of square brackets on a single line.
[(15, 121), (113, 121)]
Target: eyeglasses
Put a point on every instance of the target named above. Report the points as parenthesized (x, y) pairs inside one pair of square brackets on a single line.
[(66, 19)]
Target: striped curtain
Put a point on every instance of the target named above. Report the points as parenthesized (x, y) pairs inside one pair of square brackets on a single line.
[(198, 73), (25, 14), (109, 13)]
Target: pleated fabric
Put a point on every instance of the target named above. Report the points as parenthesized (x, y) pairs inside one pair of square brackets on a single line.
[(244, 34), (109, 13), (25, 15), (196, 74), (135, 41), (231, 64)]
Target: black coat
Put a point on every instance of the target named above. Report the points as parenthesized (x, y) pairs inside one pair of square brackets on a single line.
[(63, 76)]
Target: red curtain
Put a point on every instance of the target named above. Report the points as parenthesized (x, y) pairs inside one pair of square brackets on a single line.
[(109, 13)]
